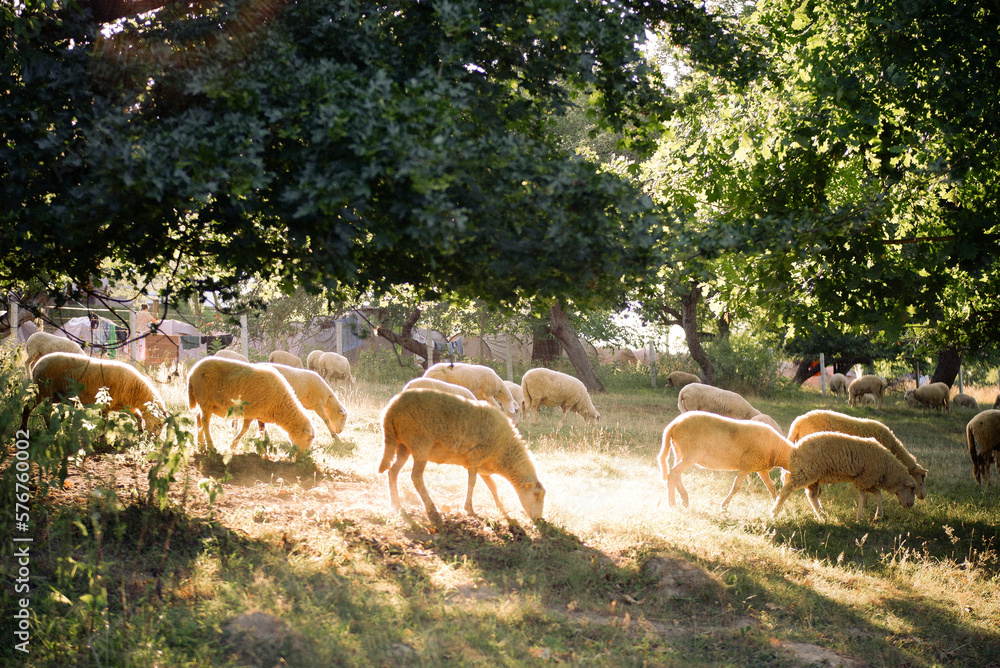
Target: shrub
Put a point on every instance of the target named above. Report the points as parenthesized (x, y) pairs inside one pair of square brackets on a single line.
[(746, 364)]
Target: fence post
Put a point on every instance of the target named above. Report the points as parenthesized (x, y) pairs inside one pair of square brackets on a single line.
[(132, 342), (340, 337), (822, 375), (510, 359), (652, 365), (430, 350), (13, 318), (244, 337), (960, 389)]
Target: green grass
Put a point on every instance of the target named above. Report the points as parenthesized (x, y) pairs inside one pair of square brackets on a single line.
[(613, 576)]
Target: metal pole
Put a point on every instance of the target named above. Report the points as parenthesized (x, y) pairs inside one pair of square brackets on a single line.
[(652, 365), (340, 338), (244, 337), (822, 375)]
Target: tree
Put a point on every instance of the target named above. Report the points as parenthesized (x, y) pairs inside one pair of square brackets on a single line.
[(337, 146), (853, 178)]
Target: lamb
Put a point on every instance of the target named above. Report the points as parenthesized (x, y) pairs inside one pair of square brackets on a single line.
[(983, 434), (43, 343), (700, 397), (934, 394), (829, 457), (331, 366), (484, 382), (679, 379), (821, 420), (216, 384), (866, 384), (446, 429), (965, 401), (722, 444), (838, 384), (232, 355), (315, 395), (284, 357), (440, 386), (518, 394), (59, 375), (545, 387), (769, 421)]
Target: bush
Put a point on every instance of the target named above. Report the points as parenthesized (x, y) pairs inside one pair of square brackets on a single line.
[(746, 364)]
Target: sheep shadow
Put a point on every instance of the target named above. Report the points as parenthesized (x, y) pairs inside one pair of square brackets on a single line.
[(247, 469)]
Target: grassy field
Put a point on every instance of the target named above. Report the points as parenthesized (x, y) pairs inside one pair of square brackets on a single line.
[(305, 564)]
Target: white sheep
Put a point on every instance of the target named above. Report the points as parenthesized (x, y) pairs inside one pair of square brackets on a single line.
[(43, 343), (331, 366), (484, 382), (965, 401), (315, 395), (830, 457), (545, 387), (838, 384), (61, 375), (720, 443), (232, 355), (443, 428), (701, 397), (440, 386), (933, 395), (215, 385), (679, 379), (517, 392), (983, 434), (284, 357), (867, 384), (822, 420)]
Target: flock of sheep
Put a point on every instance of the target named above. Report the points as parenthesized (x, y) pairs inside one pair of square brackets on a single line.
[(465, 414)]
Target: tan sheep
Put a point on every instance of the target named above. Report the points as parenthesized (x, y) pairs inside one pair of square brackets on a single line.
[(484, 382), (545, 387), (679, 379), (443, 428), (331, 366), (284, 357), (60, 375), (983, 434), (996, 402), (232, 355), (315, 395), (769, 421), (518, 393), (965, 401), (700, 397), (440, 386), (838, 384), (215, 385), (43, 343), (720, 443), (821, 420), (933, 395), (829, 457), (867, 384)]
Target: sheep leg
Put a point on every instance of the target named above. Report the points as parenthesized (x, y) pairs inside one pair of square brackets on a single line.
[(492, 486), (402, 454), (468, 494), (417, 476), (205, 426), (783, 495), (674, 483), (740, 477), (812, 493), (766, 479), (243, 430), (862, 499)]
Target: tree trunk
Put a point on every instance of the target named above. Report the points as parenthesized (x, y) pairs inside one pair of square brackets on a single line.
[(949, 362), (406, 340), (566, 336), (805, 370), (689, 322)]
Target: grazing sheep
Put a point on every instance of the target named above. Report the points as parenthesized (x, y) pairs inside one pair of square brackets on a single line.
[(700, 397), (829, 457), (821, 420), (983, 434), (769, 421), (43, 343), (838, 384), (867, 384), (518, 394), (996, 402), (446, 429), (720, 443), (933, 395), (331, 366), (216, 384), (484, 382), (58, 375), (545, 387), (868, 399), (284, 357), (440, 386), (965, 401), (679, 379), (232, 355), (315, 395)]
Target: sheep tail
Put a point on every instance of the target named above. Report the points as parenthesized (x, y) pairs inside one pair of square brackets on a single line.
[(390, 447), (973, 452), (664, 453), (192, 403)]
